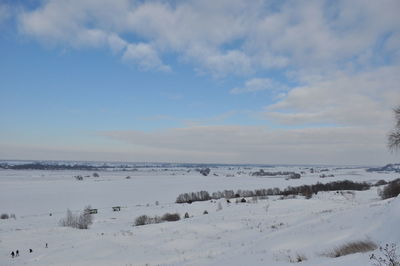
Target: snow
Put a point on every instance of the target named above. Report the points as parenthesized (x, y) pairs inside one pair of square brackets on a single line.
[(269, 231)]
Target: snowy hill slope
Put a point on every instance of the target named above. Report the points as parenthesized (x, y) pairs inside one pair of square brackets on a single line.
[(270, 231)]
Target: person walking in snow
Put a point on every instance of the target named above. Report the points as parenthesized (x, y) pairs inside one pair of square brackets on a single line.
[(12, 254), (17, 253)]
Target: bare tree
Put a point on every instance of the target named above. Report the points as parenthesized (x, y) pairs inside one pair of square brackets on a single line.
[(81, 222), (394, 136)]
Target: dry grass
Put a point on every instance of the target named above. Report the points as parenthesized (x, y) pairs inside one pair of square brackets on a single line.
[(351, 248)]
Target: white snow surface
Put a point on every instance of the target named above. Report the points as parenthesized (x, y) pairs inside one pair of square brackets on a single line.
[(270, 231)]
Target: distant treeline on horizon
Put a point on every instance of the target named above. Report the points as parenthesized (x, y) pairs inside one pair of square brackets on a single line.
[(132, 166)]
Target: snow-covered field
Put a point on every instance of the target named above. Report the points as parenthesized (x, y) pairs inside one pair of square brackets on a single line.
[(270, 231)]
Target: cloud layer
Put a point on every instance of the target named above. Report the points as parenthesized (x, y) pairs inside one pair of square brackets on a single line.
[(225, 36), (253, 144)]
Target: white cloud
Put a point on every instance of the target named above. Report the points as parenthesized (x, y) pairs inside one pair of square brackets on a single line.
[(224, 36), (259, 84), (145, 56), (364, 98)]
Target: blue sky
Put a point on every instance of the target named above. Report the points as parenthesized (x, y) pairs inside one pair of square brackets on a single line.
[(199, 81)]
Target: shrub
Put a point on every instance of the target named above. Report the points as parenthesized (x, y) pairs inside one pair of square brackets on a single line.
[(96, 175), (307, 194), (4, 216), (205, 171), (171, 217), (186, 215), (305, 190), (168, 217), (298, 258), (194, 196), (141, 220), (81, 221), (351, 248), (380, 183), (144, 219), (205, 212), (389, 256), (391, 190)]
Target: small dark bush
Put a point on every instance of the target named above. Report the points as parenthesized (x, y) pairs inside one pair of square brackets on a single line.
[(141, 220), (205, 171), (298, 258), (380, 183), (243, 200), (307, 194), (144, 219), (205, 212), (391, 190), (4, 216), (168, 217), (96, 175), (171, 217), (186, 215)]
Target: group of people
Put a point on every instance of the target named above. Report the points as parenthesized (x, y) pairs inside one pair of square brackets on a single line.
[(16, 253)]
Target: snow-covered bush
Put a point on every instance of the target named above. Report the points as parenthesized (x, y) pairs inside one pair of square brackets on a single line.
[(289, 256), (298, 258), (82, 221), (391, 190), (388, 256), (142, 220)]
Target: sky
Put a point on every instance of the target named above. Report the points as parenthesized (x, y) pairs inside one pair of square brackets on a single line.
[(210, 81)]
